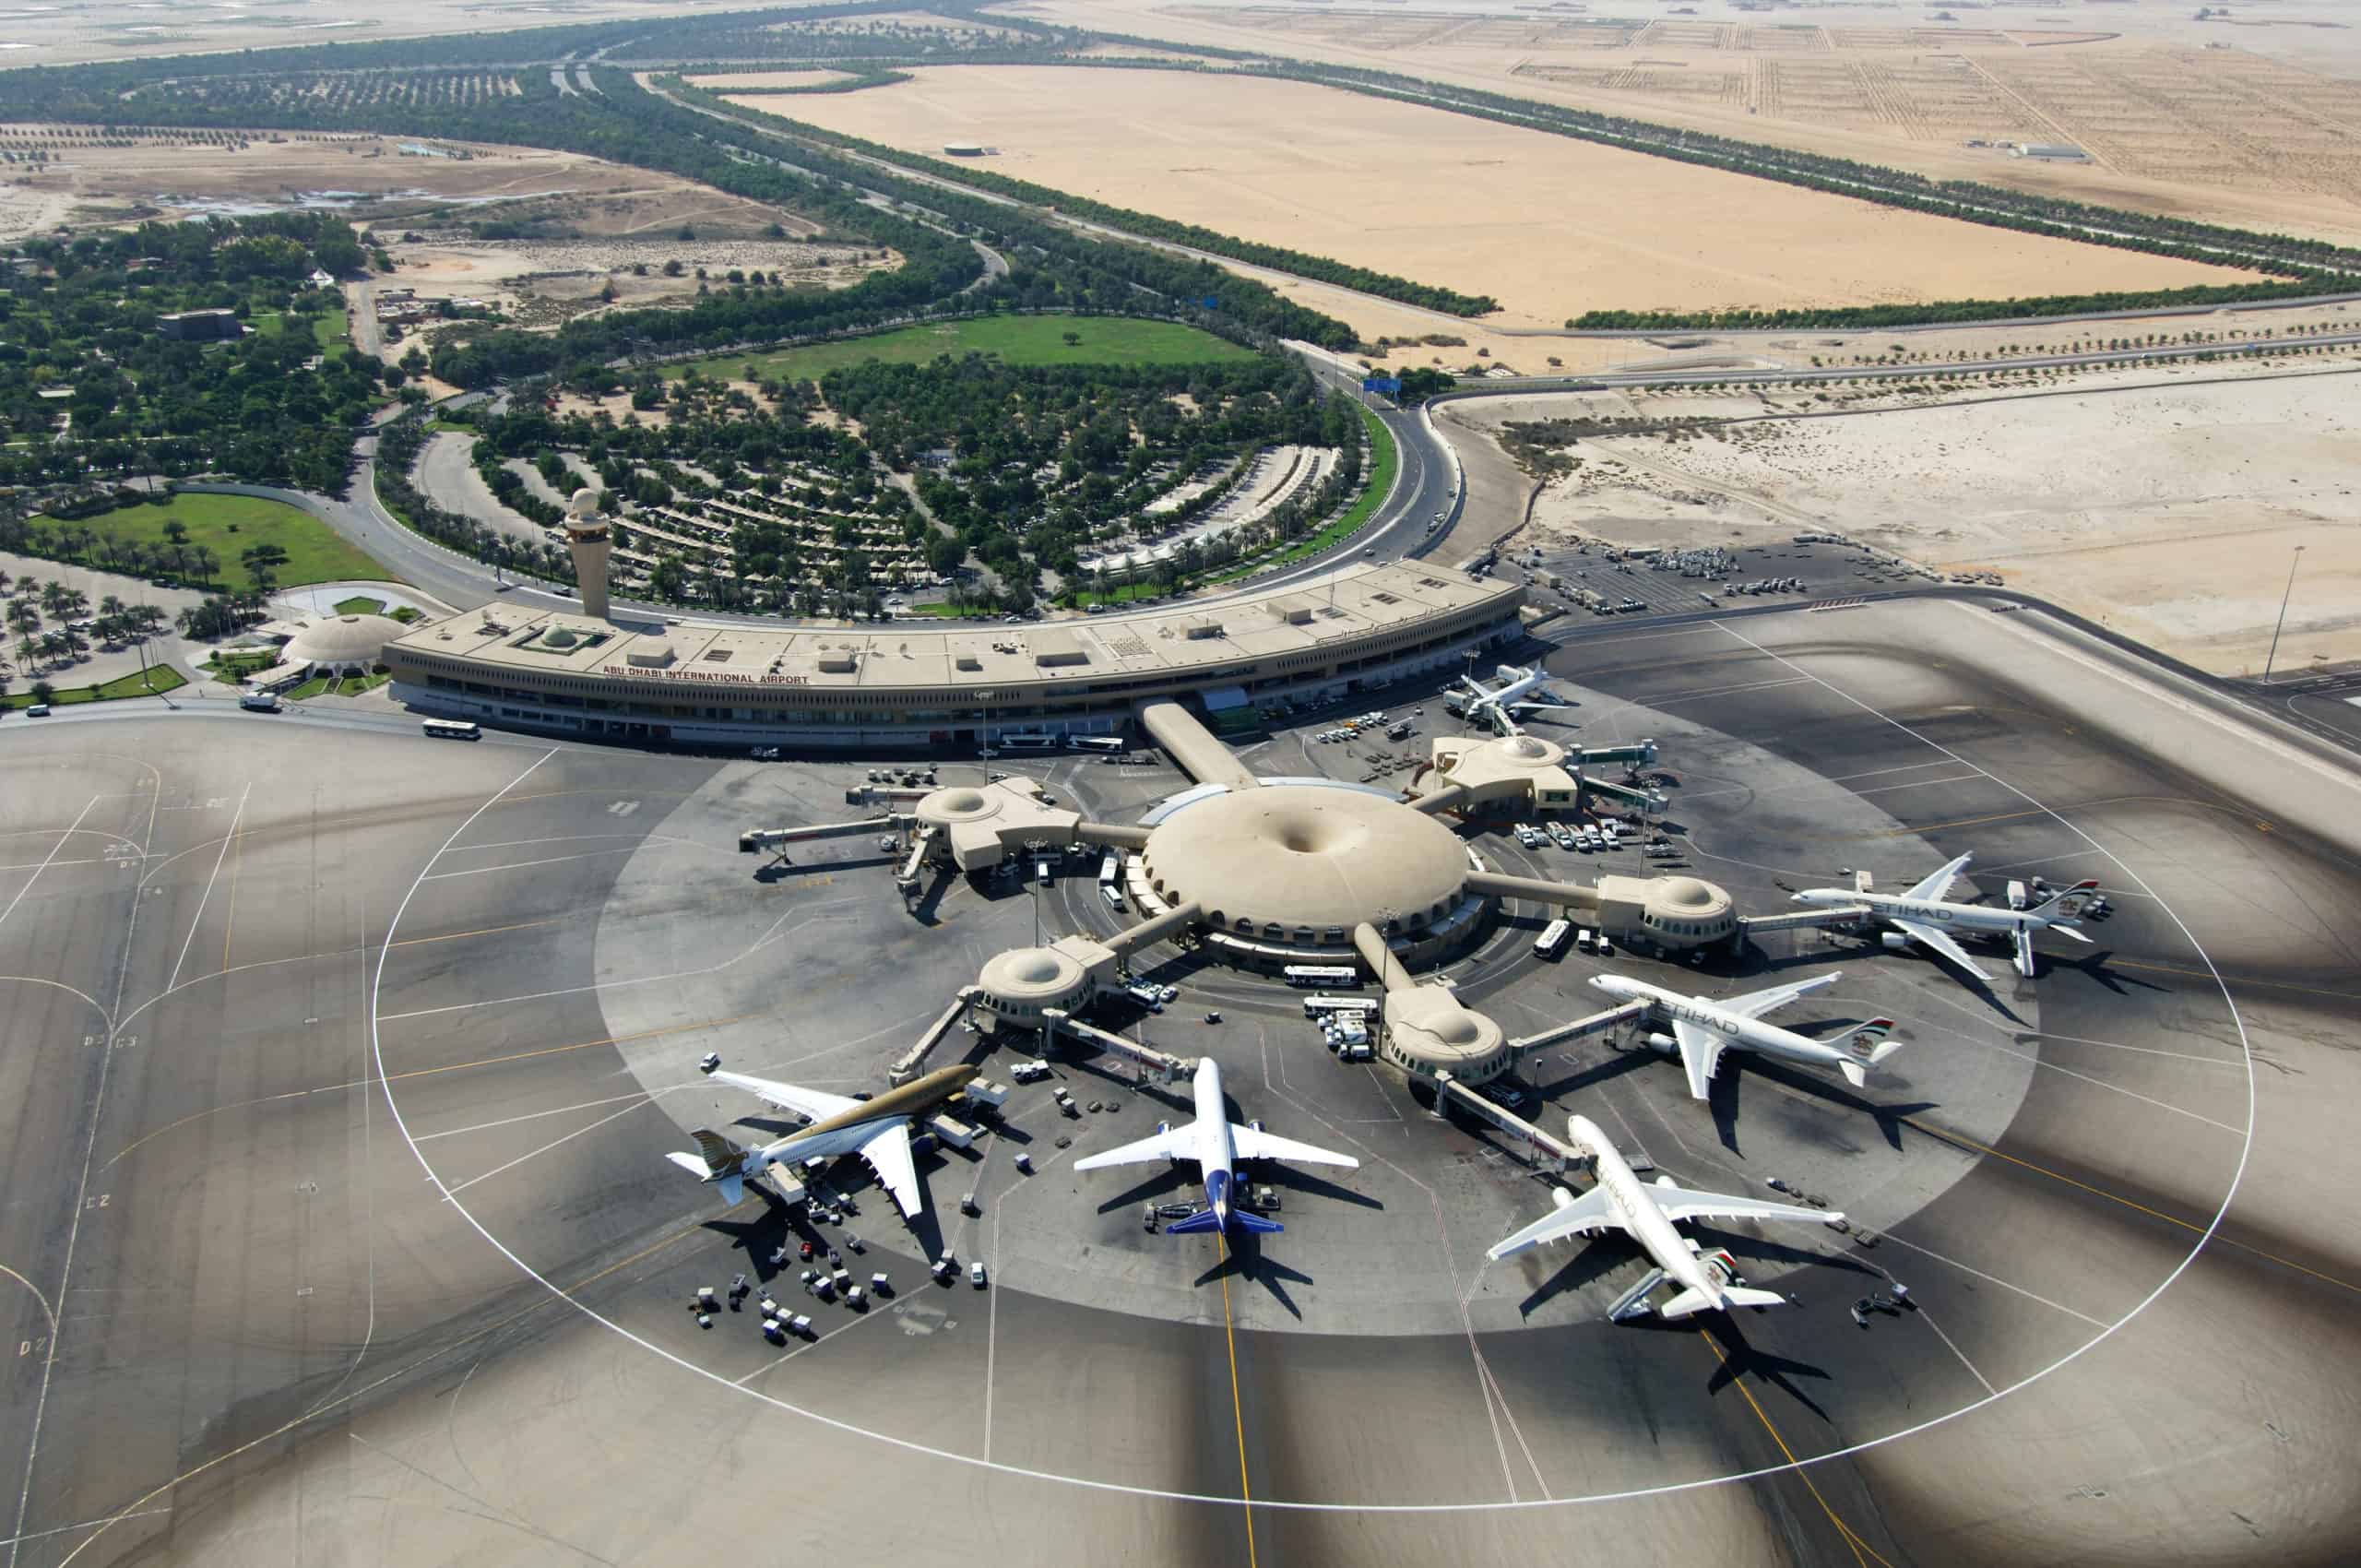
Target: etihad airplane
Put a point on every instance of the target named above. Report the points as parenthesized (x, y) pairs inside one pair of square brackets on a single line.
[(1647, 1213), (878, 1130), (1502, 704), (1216, 1143), (1923, 915), (1702, 1029)]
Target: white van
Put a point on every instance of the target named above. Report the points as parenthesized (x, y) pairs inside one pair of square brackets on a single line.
[(1113, 896), (259, 702), (1583, 941)]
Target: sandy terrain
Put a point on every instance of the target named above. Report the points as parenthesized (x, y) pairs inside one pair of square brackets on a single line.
[(2245, 119), (1549, 226), (366, 176), (56, 33), (744, 80), (2170, 511)]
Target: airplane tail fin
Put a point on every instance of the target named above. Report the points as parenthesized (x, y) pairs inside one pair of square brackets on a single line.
[(720, 1154), (731, 1185), (1197, 1224), (1870, 1047), (717, 1160), (2056, 904), (1254, 1224)]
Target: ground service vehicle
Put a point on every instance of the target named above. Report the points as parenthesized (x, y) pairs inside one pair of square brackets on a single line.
[(1322, 975), (259, 702), (1552, 940), (451, 730)]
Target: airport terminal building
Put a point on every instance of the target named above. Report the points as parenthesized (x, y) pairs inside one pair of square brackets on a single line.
[(563, 672)]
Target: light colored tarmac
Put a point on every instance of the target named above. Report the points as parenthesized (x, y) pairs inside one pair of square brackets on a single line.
[(306, 1314)]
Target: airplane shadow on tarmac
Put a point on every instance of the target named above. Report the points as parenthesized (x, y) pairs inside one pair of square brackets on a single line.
[(1242, 1258), (1722, 1098)]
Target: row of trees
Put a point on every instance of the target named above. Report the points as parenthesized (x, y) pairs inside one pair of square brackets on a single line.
[(1870, 317)]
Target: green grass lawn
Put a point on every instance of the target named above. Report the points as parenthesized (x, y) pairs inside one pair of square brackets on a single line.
[(332, 332), (361, 604), (231, 524), (158, 678), (233, 665), (1018, 339)]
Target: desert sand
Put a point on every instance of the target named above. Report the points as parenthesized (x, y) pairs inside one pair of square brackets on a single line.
[(2167, 506), (1549, 226)]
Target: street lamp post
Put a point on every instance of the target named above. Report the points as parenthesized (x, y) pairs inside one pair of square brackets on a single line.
[(2284, 597)]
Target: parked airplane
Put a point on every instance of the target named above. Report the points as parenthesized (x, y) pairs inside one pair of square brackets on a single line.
[(1647, 1213), (1702, 1029), (1924, 916), (878, 1130), (1501, 704), (1216, 1143)]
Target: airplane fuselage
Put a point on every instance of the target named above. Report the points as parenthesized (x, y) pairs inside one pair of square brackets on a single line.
[(1216, 1155), (1737, 1032), (1639, 1216), (1973, 919), (848, 1130)]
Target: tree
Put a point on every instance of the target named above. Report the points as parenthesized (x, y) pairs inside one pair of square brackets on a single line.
[(1072, 340), (42, 691), (262, 564)]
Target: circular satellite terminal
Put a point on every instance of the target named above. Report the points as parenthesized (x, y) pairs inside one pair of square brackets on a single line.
[(958, 803), (1298, 860), (1530, 747), (1038, 976)]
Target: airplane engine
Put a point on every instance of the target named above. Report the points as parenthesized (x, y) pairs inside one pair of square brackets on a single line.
[(1256, 1125), (1667, 1182), (1562, 1197), (1895, 942), (1663, 1045)]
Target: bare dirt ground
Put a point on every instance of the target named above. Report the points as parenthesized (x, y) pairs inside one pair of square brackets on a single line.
[(2167, 506), (369, 177), (2245, 118), (771, 79), (1549, 226), (51, 34)]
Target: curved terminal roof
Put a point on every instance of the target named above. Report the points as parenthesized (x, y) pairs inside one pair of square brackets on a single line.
[(343, 639), (1306, 858)]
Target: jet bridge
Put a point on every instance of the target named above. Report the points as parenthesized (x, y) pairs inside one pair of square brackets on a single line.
[(906, 1066), (905, 875), (776, 839), (1557, 1154), (1582, 1029), (1801, 919), (1173, 1068)]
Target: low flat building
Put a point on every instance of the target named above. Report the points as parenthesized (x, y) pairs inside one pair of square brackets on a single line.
[(200, 326), (563, 672)]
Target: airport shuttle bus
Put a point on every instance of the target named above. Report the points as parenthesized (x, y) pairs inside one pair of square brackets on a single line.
[(1111, 870), (1113, 745), (1321, 1003), (1552, 940), (1340, 975), (451, 730), (1028, 743)]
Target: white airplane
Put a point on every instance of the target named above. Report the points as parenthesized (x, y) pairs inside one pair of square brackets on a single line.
[(1702, 1029), (1923, 915), (878, 1130), (1500, 704), (1622, 1202), (1216, 1143)]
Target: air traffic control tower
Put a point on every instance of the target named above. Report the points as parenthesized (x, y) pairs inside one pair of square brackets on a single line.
[(589, 539)]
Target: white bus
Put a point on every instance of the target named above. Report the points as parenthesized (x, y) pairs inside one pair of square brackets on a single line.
[(1111, 870), (1112, 744), (1028, 743), (1552, 940), (1321, 1003), (1341, 975), (452, 730)]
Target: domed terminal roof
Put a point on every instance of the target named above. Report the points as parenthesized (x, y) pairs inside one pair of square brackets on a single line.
[(959, 802), (1306, 858), (344, 639), (1684, 897), (1040, 976)]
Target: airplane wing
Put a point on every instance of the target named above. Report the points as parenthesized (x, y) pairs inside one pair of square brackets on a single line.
[(1701, 1052), (889, 1154), (1937, 887), (1940, 945), (1247, 1144), (1756, 1003), (1586, 1216), (810, 1103), (1681, 1202), (1180, 1143)]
